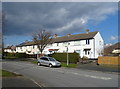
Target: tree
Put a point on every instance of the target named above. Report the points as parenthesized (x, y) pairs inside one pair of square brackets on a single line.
[(42, 39)]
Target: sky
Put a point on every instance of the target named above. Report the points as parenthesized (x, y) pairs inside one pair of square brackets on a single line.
[(22, 19)]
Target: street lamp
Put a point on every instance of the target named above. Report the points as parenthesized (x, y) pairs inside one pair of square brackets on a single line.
[(67, 50), (67, 57)]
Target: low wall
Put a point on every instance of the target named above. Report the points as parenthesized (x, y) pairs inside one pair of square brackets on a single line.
[(110, 60)]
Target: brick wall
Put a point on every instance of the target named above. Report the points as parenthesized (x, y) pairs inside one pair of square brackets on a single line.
[(109, 60)]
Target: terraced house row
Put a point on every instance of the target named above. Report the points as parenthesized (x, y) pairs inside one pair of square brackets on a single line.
[(90, 44)]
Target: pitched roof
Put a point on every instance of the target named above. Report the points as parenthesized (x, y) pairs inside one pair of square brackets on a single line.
[(75, 37), (89, 35)]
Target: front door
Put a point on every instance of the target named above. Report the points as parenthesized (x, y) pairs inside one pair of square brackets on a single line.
[(87, 52)]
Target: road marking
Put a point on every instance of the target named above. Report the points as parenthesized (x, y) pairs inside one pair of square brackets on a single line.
[(85, 75), (96, 77), (36, 83)]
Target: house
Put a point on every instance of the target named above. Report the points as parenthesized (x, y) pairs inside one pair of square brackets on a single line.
[(10, 49), (90, 44), (112, 49)]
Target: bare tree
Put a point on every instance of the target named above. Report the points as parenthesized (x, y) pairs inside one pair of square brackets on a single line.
[(42, 39)]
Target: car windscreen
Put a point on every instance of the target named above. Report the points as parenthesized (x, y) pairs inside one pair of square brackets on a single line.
[(51, 59)]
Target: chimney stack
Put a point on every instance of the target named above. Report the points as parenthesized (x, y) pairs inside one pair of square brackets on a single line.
[(87, 31), (68, 35)]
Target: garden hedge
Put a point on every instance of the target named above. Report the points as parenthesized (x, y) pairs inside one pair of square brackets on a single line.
[(16, 55), (62, 57)]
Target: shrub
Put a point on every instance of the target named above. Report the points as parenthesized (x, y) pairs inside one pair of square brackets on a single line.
[(85, 58), (62, 57), (15, 55), (21, 55)]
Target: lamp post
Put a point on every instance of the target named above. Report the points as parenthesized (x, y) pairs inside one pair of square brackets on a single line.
[(67, 57)]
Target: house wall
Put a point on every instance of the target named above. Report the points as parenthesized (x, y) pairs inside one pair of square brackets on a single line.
[(73, 46), (94, 47), (99, 45)]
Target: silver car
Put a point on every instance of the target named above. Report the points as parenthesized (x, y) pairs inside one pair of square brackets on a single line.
[(48, 61)]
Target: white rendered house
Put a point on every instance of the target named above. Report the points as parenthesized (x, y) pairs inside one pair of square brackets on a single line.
[(89, 44)]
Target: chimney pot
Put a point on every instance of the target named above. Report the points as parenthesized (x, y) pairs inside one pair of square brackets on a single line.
[(68, 35), (87, 31), (55, 35)]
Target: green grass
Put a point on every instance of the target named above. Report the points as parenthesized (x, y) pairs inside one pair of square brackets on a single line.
[(5, 73), (10, 57), (69, 66), (34, 62)]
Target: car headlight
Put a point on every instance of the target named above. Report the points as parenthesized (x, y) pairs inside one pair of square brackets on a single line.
[(53, 63)]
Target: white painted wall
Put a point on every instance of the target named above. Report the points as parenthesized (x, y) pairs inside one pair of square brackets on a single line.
[(99, 45), (96, 45)]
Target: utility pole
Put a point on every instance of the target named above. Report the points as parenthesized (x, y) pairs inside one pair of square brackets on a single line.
[(67, 57)]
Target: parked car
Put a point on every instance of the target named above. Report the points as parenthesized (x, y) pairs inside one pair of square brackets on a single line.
[(48, 61)]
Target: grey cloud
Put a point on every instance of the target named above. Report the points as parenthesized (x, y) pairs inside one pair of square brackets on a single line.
[(61, 18)]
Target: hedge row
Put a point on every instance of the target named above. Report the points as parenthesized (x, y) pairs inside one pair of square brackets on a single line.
[(62, 57), (18, 55)]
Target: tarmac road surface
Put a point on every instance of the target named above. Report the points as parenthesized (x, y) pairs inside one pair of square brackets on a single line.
[(62, 77)]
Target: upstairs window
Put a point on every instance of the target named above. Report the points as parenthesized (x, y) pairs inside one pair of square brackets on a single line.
[(87, 41), (57, 44), (100, 43)]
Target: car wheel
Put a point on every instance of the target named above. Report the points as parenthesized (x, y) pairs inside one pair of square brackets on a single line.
[(38, 64), (50, 65)]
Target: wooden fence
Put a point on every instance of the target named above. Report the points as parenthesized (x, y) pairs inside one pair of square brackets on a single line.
[(109, 60)]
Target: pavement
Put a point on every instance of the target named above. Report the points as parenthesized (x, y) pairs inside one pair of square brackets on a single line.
[(8, 82), (62, 77)]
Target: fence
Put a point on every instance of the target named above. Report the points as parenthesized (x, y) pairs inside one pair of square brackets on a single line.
[(109, 60)]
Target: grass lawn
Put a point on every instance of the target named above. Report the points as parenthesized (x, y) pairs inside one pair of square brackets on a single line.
[(34, 62), (5, 73), (10, 57), (69, 66)]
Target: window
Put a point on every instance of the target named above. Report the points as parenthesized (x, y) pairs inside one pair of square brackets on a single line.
[(57, 44), (100, 43), (87, 51), (77, 51), (68, 43), (87, 41), (44, 58)]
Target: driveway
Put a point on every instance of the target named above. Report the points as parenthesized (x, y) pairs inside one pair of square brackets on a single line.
[(62, 77)]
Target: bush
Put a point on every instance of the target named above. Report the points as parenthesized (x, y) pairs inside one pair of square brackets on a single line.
[(62, 57), (85, 58), (21, 55), (15, 55)]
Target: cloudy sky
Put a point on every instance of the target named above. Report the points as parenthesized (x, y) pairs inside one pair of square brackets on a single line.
[(62, 18)]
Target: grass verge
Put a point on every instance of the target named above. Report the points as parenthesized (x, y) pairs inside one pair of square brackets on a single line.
[(34, 62), (5, 73), (69, 66), (10, 57)]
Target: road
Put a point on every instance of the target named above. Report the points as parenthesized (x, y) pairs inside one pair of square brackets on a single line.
[(62, 77)]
